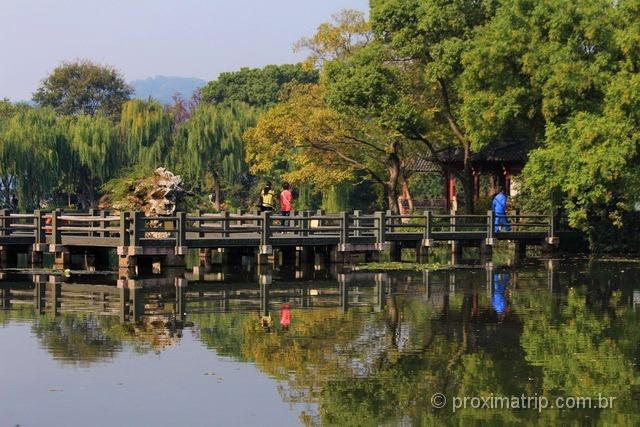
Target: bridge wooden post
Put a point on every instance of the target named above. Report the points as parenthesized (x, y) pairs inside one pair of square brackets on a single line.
[(137, 228), (40, 239), (356, 223), (265, 251), (320, 212), (456, 246), (255, 212), (488, 243), (103, 223), (240, 212), (198, 224), (340, 253), (62, 255), (304, 224), (39, 222), (344, 228), (124, 229), (93, 224), (56, 238), (181, 232), (293, 222), (131, 230), (6, 257), (551, 242), (225, 223), (381, 228), (5, 222), (422, 250)]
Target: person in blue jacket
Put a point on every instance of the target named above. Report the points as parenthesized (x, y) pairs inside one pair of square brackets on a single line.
[(500, 295), (499, 207)]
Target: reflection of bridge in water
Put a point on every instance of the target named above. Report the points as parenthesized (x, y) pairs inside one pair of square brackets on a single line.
[(172, 298)]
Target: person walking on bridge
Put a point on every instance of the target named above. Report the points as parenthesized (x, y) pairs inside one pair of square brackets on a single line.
[(267, 198), (286, 200), (499, 207)]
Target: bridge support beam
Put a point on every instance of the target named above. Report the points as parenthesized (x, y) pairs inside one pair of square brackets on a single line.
[(136, 257), (264, 255), (486, 248), (395, 251), (422, 254), (550, 245), (304, 255), (35, 256), (456, 251), (62, 257)]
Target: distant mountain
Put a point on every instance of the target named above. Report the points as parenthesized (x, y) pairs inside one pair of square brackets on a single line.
[(163, 88)]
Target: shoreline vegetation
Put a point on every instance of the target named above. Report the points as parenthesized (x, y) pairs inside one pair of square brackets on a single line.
[(403, 266)]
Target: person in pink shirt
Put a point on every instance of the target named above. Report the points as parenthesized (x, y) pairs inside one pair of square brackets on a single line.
[(285, 317), (286, 200)]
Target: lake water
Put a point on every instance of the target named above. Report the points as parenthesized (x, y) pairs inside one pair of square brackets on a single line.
[(494, 344)]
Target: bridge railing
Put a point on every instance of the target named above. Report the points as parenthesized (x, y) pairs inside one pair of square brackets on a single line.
[(133, 228)]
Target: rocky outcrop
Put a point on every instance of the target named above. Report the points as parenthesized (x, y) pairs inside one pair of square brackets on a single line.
[(157, 195)]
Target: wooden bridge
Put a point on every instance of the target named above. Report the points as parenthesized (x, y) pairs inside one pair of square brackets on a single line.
[(304, 234)]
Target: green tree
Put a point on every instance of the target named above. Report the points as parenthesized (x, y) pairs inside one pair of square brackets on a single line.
[(577, 83), (146, 132), (408, 78), (32, 147), (258, 87), (325, 147), (210, 144), (83, 87), (96, 156)]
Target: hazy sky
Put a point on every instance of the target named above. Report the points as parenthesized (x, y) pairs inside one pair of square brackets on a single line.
[(144, 38)]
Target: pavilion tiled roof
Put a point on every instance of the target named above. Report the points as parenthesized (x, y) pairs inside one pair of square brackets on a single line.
[(511, 152)]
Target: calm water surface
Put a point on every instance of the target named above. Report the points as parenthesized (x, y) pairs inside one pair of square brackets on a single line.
[(209, 347)]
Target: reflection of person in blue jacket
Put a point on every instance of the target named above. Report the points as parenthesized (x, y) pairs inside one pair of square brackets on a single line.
[(499, 207), (498, 294)]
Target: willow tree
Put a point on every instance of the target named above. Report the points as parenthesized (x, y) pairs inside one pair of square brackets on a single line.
[(95, 156), (146, 132), (32, 147), (210, 145)]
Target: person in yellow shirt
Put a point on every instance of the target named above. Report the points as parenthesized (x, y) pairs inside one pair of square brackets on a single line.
[(267, 198)]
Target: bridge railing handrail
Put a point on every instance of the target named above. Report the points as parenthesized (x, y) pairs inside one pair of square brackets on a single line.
[(131, 227)]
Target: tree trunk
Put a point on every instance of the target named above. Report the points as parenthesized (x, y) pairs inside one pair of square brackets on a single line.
[(406, 194), (6, 186), (92, 194), (467, 180), (216, 190), (393, 166)]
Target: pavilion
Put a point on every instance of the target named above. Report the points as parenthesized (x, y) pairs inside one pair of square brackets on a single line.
[(500, 163)]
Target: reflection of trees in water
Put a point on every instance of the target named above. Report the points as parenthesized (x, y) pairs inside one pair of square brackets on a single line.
[(85, 339), (78, 338), (370, 368)]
